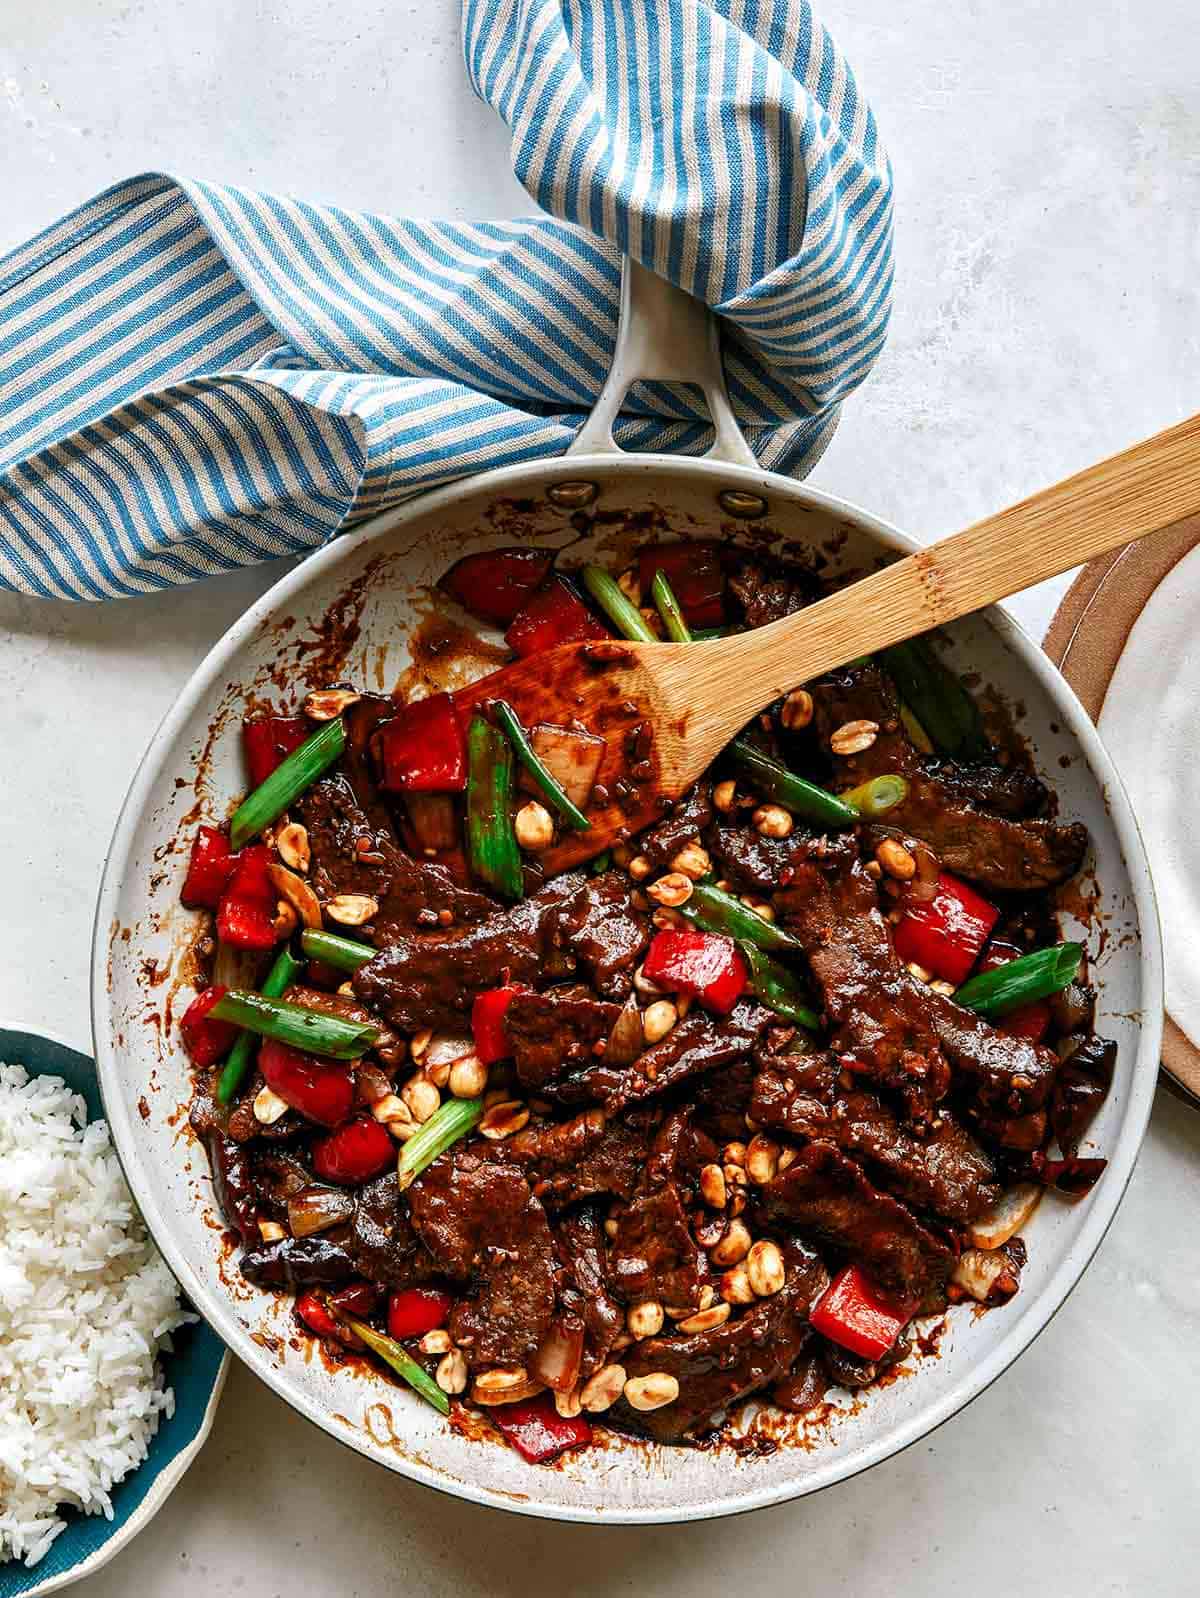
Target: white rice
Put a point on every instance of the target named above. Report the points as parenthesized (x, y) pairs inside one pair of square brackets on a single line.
[(86, 1303)]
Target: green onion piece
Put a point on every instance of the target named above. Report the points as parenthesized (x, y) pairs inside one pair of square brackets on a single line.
[(1022, 981), (778, 989), (801, 797), (292, 1024), (601, 862), (701, 634), (624, 615), (536, 767), (676, 629), (343, 954), (917, 736), (717, 911), (401, 1361), (492, 851), (877, 797), (445, 1126), (287, 782), (282, 974), (939, 701)]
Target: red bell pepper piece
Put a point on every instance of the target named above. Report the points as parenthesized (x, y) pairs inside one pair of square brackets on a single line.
[(487, 1022), (497, 583), (537, 1431), (852, 1314), (705, 964), (356, 1298), (246, 914), (317, 1317), (416, 1311), (422, 748), (555, 615), (321, 1090), (209, 869), (1031, 1021), (354, 1153), (206, 1041), (696, 577), (945, 934), (268, 740)]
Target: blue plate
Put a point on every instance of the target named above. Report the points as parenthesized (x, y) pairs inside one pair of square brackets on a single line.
[(196, 1371)]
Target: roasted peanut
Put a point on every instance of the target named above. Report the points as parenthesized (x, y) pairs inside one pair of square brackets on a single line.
[(765, 1268), (651, 1392), (854, 737)]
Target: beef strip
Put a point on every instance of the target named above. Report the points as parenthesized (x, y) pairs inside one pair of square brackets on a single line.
[(1080, 1089), (556, 1031), (432, 980), (411, 893), (1007, 1076), (588, 1290), (295, 1262), (654, 1255), (879, 1013), (686, 820), (722, 1100), (945, 804), (696, 1044), (233, 1182), (752, 863), (574, 920), (484, 1228), (383, 1244), (583, 1158), (390, 1049), (827, 1198), (768, 590), (946, 1172), (720, 1368), (601, 928)]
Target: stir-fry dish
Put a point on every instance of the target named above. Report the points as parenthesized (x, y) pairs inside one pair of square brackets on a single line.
[(721, 1113)]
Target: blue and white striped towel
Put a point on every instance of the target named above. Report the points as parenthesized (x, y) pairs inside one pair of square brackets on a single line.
[(195, 377)]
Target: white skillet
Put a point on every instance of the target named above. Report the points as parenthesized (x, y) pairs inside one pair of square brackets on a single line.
[(141, 929)]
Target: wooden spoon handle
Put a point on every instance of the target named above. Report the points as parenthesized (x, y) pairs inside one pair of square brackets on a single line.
[(1140, 491)]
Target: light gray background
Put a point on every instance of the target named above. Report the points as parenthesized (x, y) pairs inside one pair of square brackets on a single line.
[(1048, 309)]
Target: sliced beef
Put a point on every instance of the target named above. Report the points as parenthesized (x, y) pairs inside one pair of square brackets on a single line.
[(233, 1182), (391, 1049), (243, 1126), (680, 1151), (753, 864), (946, 1171), (828, 1199), (432, 980), (768, 591), (555, 1032), (696, 1044), (684, 822), (947, 805), (355, 853), (279, 1175), (583, 1158), (722, 1100), (295, 1262), (1080, 1089), (718, 1369), (383, 1244), (1006, 1076), (588, 1289), (654, 1255), (603, 931), (879, 1013), (484, 1228)]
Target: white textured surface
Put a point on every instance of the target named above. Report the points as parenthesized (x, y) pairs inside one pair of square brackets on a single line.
[(1149, 724), (1048, 311)]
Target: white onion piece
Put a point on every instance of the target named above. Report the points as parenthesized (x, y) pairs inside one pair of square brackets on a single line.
[(445, 1048), (1007, 1215), (572, 758), (316, 1209), (977, 1269), (556, 1363)]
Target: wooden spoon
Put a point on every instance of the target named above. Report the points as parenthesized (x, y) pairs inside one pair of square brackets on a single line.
[(666, 710)]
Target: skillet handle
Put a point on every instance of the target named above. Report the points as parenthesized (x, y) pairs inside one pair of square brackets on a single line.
[(664, 333)]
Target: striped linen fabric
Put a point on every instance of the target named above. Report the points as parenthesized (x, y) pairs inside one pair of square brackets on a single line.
[(195, 377)]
